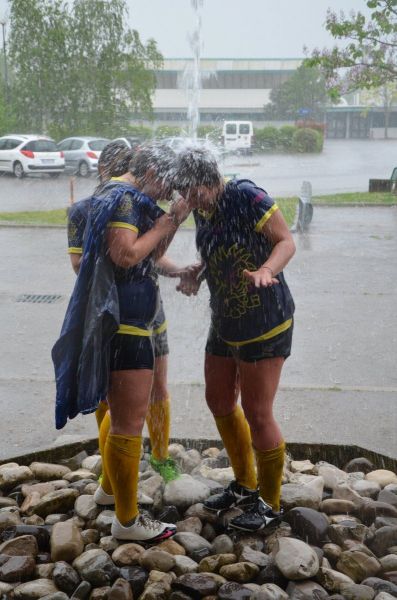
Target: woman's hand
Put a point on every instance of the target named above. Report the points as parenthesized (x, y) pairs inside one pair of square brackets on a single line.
[(263, 277), (189, 279), (179, 210)]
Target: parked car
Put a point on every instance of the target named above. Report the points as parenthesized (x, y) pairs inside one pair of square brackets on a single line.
[(129, 141), (23, 154), (82, 153), (238, 136)]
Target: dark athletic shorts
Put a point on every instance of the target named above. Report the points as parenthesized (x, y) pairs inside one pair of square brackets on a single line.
[(129, 352), (279, 345)]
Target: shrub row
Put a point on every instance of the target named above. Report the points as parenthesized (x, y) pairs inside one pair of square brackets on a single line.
[(288, 138)]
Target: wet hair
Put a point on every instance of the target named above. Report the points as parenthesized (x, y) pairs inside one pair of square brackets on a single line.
[(114, 160), (157, 156), (195, 167)]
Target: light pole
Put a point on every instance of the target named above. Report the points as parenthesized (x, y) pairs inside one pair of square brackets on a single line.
[(3, 26)]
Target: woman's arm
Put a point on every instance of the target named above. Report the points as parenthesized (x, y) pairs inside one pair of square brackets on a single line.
[(277, 232)]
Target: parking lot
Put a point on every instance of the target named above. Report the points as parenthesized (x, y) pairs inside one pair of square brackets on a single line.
[(343, 166)]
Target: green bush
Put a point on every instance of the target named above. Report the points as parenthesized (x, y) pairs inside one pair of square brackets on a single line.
[(164, 131), (144, 133), (307, 140), (266, 138), (285, 135), (213, 132)]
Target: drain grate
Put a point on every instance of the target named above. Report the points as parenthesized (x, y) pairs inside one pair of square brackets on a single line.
[(39, 298)]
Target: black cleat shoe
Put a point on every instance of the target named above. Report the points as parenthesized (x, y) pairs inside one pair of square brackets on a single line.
[(257, 517), (233, 495)]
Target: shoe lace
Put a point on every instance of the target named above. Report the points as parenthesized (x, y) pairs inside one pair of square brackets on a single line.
[(148, 523)]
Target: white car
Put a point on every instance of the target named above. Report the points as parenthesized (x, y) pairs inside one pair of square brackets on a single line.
[(82, 153), (23, 154)]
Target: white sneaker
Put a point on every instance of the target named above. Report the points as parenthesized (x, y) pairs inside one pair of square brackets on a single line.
[(143, 529), (102, 498)]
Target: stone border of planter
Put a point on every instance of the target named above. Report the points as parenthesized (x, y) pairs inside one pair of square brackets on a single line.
[(338, 455)]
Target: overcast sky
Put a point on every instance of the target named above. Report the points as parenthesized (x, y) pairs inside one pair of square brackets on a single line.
[(235, 28)]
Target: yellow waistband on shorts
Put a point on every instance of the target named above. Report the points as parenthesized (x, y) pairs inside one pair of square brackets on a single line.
[(265, 336)]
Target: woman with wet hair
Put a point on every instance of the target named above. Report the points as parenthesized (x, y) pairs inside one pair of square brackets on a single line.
[(244, 243)]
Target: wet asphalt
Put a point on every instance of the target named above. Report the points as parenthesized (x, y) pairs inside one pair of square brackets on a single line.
[(339, 385)]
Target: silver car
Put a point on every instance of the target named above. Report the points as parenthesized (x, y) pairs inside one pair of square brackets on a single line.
[(82, 153)]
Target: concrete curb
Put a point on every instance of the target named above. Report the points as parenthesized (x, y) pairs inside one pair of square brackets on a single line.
[(338, 455)]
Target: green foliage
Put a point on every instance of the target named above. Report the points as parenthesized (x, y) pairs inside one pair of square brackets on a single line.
[(368, 56), (164, 131), (77, 68), (304, 89), (266, 138), (307, 140), (285, 135), (7, 119), (144, 133), (213, 132)]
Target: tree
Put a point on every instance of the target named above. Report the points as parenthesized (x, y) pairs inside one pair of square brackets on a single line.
[(384, 96), (369, 55), (77, 67), (303, 93)]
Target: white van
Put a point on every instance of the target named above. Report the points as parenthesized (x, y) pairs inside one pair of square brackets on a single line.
[(237, 135)]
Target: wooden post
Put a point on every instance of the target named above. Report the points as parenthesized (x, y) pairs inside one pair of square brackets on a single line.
[(71, 190)]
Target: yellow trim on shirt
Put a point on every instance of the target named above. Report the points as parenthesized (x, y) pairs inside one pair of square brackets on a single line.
[(132, 330), (121, 225), (160, 329), (121, 178), (265, 218), (265, 336), (74, 250)]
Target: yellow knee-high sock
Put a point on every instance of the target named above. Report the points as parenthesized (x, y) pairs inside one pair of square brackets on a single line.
[(270, 472), (236, 436), (158, 420), (122, 456), (101, 412), (103, 434)]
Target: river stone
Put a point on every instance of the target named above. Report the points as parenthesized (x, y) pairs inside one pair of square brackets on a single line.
[(254, 556), (17, 568), (185, 491), (59, 501), (34, 589), (93, 464), (48, 471), (222, 544), (242, 572), (197, 585), (176, 451), (189, 460), (366, 488), (332, 552), (331, 579), (359, 464), (104, 521), (127, 554), (331, 475), (308, 524), (384, 538), (12, 476), (172, 547), (357, 565), (305, 590), (56, 596), (348, 530), (295, 559), (213, 563), (6, 502), (82, 591), (86, 507), (24, 545), (41, 534), (192, 542), (9, 519), (308, 495), (192, 524), (205, 515), (121, 590), (334, 506), (66, 541), (384, 596), (184, 564), (302, 466), (382, 476), (389, 562), (96, 567), (79, 474), (234, 591), (388, 496), (65, 577), (136, 577), (344, 491), (381, 585), (222, 476), (157, 560), (352, 591)]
